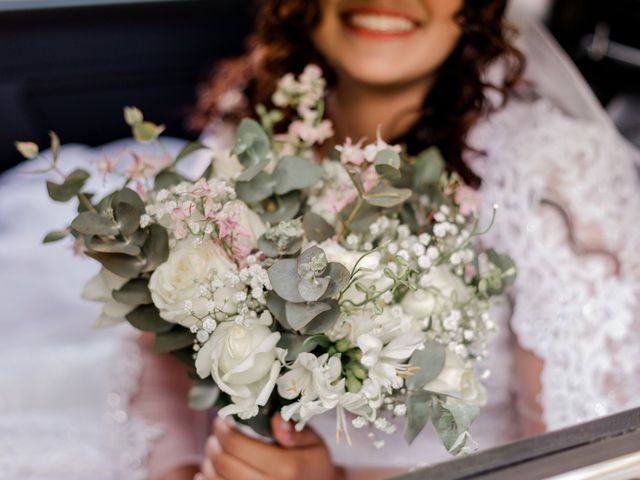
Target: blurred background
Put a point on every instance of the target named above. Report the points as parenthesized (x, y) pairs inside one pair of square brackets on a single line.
[(71, 65)]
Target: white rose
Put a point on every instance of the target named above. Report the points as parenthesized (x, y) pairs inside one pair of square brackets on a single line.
[(459, 382), (99, 289), (441, 285), (243, 362), (372, 270), (190, 264)]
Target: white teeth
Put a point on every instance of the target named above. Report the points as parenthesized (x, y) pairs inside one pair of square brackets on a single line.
[(380, 23)]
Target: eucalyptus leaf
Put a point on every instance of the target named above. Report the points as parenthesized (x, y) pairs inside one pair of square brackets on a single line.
[(156, 247), (147, 132), (118, 263), (105, 203), (387, 164), (390, 173), (418, 413), (91, 223), (312, 290), (388, 157), (129, 197), (288, 209), (254, 169), (55, 236), (147, 318), (506, 265), (97, 244), (139, 236), (428, 169), (203, 396), (340, 277), (55, 146), (295, 173), (316, 228), (299, 315), (69, 188), (252, 142), (133, 116), (190, 148), (175, 339), (134, 292), (276, 306), (259, 188), (452, 422), (430, 363), (386, 196), (283, 275), (325, 321), (128, 218), (364, 217), (270, 249), (167, 178), (28, 150)]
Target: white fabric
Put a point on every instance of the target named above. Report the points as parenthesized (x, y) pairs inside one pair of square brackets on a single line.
[(60, 402), (64, 388)]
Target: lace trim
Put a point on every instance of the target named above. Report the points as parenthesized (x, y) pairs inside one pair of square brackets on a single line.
[(570, 309), (131, 437)]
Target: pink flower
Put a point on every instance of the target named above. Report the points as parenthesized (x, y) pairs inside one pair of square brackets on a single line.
[(310, 74), (210, 208), (145, 166), (468, 199), (183, 211), (371, 150), (350, 152), (369, 178), (311, 133), (336, 200), (180, 231), (226, 227), (201, 188)]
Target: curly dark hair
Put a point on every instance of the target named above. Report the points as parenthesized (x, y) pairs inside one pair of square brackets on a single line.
[(281, 44)]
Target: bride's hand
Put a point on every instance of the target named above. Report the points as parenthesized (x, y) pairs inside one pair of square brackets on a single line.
[(230, 455)]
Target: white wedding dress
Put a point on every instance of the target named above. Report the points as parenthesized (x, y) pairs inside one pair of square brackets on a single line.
[(65, 389)]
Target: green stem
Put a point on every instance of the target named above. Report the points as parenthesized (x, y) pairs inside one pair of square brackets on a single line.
[(84, 200)]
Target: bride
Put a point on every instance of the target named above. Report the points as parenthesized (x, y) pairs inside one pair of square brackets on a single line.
[(428, 72)]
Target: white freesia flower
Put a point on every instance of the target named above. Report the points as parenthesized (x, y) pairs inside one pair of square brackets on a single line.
[(440, 287), (99, 289), (175, 284), (459, 382), (312, 378), (370, 266), (386, 362), (243, 361)]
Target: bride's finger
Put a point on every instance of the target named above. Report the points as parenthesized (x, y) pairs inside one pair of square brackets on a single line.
[(228, 466), (259, 455), (207, 469)]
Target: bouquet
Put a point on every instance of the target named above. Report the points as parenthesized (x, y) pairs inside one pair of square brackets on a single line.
[(297, 282)]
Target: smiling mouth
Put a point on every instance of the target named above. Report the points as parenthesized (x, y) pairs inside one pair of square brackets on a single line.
[(379, 23)]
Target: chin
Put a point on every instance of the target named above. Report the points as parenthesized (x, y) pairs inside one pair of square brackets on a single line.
[(377, 71)]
